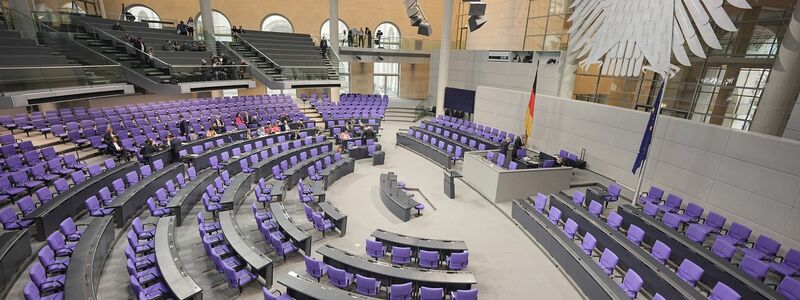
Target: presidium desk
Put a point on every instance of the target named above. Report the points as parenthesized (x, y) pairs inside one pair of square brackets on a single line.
[(502, 185)]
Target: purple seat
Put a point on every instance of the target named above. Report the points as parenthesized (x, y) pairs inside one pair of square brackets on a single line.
[(40, 174), (428, 259), (689, 272), (736, 235), (661, 252), (595, 209), (132, 177), (401, 291), (672, 204), (652, 196), (20, 179), (723, 292), (238, 278), (754, 267), (577, 198), (315, 268), (789, 288), (31, 292), (95, 170), (764, 248), (554, 215), (321, 223), (105, 195), (650, 210), (588, 244), (339, 278), (375, 249), (540, 202), (26, 206), (691, 214), (671, 220), (70, 161), (70, 230), (635, 234), (93, 206), (631, 284), (59, 245), (723, 249), (608, 261), (10, 221), (44, 283), (367, 285), (696, 233), (52, 264), (282, 248), (401, 255), (570, 228), (426, 293), (614, 220), (7, 189), (789, 266), (464, 294), (192, 173), (457, 260)]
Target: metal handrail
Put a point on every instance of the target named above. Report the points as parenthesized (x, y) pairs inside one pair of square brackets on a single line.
[(126, 44), (254, 48)]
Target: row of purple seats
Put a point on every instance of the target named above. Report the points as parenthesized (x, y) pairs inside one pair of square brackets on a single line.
[(453, 136), (426, 259), (371, 287), (17, 179), (632, 282), (158, 205), (145, 279), (97, 205), (226, 261), (48, 274), (456, 154), (475, 129), (726, 241)]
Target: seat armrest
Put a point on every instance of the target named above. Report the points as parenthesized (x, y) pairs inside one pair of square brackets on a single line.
[(723, 231), (748, 244), (777, 259), (150, 224)]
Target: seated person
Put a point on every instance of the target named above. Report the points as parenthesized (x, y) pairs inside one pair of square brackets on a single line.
[(210, 133), (117, 26)]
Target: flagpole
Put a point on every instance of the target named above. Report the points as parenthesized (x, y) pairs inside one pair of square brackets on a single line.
[(643, 169)]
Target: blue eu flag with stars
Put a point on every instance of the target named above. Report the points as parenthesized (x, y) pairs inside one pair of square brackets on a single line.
[(648, 132)]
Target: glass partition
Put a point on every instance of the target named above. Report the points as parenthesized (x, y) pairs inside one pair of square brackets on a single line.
[(48, 78)]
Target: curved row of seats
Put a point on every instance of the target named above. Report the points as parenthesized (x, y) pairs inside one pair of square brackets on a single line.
[(47, 274), (473, 129), (97, 208), (428, 259), (456, 153), (631, 282), (351, 106)]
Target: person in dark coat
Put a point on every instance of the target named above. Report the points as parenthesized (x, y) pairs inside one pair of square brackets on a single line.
[(517, 145), (185, 127), (148, 150), (174, 146), (504, 147)]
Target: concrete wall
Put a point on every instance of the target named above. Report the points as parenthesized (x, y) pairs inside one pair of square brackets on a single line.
[(751, 178), (414, 81), (792, 130)]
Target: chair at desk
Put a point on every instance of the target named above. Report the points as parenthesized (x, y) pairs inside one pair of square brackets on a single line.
[(612, 193), (660, 252), (237, 279), (426, 293), (789, 266), (401, 291), (548, 163), (321, 223), (723, 292), (339, 278), (754, 267), (269, 296), (70, 230), (723, 249), (281, 248), (457, 260), (652, 196), (689, 272), (464, 294), (577, 198), (608, 261), (401, 255), (375, 249), (789, 288), (764, 248), (32, 292), (315, 268), (631, 284), (614, 220), (428, 259), (367, 285), (93, 206), (512, 165)]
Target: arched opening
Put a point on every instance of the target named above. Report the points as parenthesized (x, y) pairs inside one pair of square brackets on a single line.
[(325, 31), (390, 39), (277, 23), (222, 26), (145, 14)]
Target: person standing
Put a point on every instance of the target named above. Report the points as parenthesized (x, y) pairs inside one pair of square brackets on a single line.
[(368, 36), (142, 49), (378, 36), (182, 28), (323, 46), (184, 127), (174, 146), (350, 38), (190, 27)]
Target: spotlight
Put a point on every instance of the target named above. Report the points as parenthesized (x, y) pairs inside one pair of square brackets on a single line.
[(477, 11), (380, 58), (416, 20), (424, 29), (476, 22)]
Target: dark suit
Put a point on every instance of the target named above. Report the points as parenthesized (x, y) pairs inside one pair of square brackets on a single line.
[(504, 150), (175, 147), (185, 128)]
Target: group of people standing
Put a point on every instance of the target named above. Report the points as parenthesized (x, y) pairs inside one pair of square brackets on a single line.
[(357, 37), (186, 28)]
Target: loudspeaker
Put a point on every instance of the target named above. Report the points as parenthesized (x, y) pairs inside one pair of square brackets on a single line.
[(477, 8), (412, 11), (416, 20), (424, 29), (409, 3), (476, 22)]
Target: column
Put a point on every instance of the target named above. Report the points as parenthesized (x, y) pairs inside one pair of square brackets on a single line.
[(208, 25), (444, 55), (333, 17), (780, 93), (21, 14)]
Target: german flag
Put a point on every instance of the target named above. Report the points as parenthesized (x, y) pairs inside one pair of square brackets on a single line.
[(531, 107)]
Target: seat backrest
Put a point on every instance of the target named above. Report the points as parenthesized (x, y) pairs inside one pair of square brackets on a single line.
[(739, 232), (767, 245), (723, 249), (689, 271)]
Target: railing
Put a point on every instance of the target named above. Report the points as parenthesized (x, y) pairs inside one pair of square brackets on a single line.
[(254, 48), (152, 23), (289, 72), (49, 78), (420, 111), (16, 20), (391, 43)]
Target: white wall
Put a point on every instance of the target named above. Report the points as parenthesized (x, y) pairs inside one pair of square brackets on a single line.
[(792, 130), (751, 178), (470, 69), (501, 108)]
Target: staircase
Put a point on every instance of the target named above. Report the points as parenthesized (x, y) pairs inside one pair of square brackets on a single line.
[(257, 61), (402, 114), (120, 54)]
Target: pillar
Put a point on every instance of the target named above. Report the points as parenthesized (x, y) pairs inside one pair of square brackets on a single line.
[(21, 14), (780, 93), (208, 25), (444, 55), (333, 17)]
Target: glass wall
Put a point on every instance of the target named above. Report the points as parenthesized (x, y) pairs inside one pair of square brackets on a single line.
[(387, 79), (344, 77), (724, 88), (277, 23)]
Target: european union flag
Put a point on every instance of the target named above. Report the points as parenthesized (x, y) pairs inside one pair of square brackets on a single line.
[(648, 132)]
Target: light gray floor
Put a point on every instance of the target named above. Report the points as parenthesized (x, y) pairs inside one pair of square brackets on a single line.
[(506, 262)]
